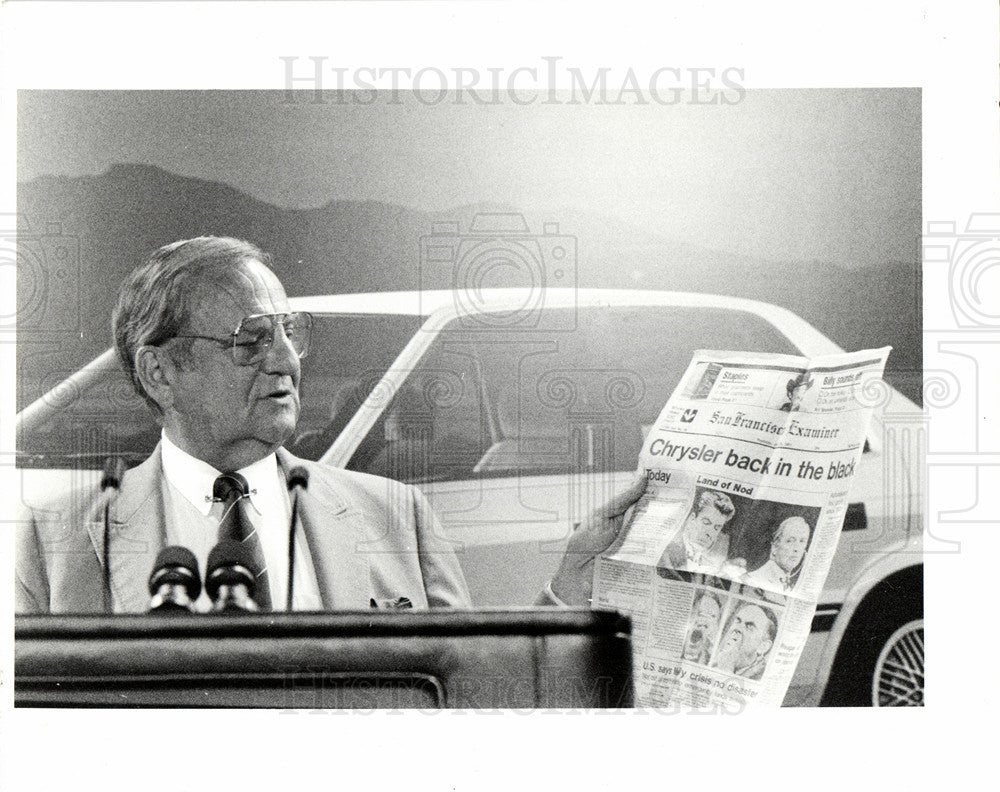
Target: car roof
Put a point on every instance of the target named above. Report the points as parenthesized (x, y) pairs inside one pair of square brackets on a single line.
[(427, 302)]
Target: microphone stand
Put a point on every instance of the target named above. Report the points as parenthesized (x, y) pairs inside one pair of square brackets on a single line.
[(291, 550), (298, 480), (114, 470)]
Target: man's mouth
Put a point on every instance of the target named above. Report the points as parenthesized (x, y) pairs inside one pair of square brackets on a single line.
[(281, 393), (788, 562)]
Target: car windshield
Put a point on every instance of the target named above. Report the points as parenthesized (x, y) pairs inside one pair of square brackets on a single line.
[(86, 425)]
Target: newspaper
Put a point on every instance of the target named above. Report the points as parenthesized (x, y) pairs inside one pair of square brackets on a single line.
[(722, 560)]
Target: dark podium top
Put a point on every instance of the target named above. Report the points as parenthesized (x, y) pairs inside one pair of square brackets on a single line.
[(361, 659)]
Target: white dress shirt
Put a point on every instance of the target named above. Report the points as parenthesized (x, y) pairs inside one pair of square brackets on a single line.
[(698, 558), (770, 576), (191, 523)]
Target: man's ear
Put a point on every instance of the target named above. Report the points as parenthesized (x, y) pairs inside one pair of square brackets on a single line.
[(155, 370), (765, 647)]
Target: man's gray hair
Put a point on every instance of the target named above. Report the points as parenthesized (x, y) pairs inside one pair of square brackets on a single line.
[(157, 298), (786, 524)]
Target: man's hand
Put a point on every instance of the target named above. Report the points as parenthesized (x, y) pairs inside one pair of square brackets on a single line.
[(574, 582)]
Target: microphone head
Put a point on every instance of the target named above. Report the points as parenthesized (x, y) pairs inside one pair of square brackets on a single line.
[(176, 565), (298, 476), (114, 469), (229, 564)]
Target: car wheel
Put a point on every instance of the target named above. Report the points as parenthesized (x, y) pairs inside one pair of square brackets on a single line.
[(899, 671), (880, 662)]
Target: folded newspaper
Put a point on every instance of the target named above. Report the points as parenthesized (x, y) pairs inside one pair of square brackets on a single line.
[(722, 560)]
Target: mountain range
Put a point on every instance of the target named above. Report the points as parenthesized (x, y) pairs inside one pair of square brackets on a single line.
[(82, 235)]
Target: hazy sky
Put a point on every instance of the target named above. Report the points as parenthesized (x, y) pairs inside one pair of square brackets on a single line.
[(832, 175)]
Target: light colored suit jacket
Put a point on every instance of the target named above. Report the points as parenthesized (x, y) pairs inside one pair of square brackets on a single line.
[(369, 538)]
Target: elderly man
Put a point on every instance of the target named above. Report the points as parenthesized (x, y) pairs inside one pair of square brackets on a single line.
[(204, 330), (701, 545), (788, 549), (746, 641)]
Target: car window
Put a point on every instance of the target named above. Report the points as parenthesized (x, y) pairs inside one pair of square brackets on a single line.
[(500, 402), (348, 356)]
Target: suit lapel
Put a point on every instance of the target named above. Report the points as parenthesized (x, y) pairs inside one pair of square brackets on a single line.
[(328, 517), (329, 521), (138, 533)]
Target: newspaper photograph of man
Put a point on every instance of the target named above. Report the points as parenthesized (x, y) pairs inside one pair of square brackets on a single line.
[(769, 551), (702, 542), (788, 551), (746, 641), (703, 625), (795, 392)]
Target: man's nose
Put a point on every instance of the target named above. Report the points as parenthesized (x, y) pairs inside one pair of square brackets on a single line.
[(281, 356)]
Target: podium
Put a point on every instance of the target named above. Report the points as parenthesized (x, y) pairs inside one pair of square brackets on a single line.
[(529, 658)]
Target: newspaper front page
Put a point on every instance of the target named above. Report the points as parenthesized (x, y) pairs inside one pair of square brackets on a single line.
[(723, 559)]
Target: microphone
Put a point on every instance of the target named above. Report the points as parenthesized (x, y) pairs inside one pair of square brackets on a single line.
[(175, 583), (298, 476), (111, 479), (228, 580), (298, 481)]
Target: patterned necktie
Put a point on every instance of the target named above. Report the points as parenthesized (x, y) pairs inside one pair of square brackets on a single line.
[(232, 489)]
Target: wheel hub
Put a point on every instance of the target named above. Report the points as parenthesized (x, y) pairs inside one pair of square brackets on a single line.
[(899, 672)]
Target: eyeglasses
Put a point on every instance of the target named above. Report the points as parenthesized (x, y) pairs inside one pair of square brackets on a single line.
[(253, 336)]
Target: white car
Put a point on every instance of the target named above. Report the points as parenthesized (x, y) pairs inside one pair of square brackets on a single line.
[(517, 412)]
